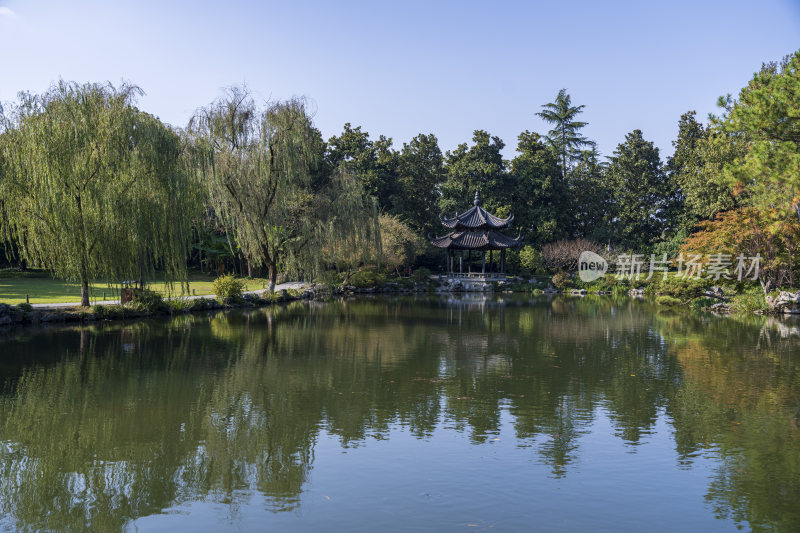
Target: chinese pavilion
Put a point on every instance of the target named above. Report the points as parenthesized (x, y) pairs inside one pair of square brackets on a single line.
[(476, 229)]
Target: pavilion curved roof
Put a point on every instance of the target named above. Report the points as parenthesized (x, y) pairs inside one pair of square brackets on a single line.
[(476, 240), (476, 217)]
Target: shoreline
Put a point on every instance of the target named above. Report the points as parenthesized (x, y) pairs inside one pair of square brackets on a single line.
[(13, 316)]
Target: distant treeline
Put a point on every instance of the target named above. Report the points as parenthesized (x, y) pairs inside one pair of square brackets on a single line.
[(92, 186)]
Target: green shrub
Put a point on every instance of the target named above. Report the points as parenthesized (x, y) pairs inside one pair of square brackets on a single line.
[(201, 304), (668, 301), (404, 283), (751, 300), (702, 302), (25, 307), (180, 305), (530, 259), (421, 274), (672, 246), (228, 286), (607, 284), (133, 308), (681, 287), (330, 278), (519, 287), (98, 310), (148, 301), (269, 297), (562, 280), (113, 311), (367, 278)]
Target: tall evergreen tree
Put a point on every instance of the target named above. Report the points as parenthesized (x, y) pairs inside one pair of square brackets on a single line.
[(696, 168), (565, 137), (420, 172), (591, 201), (540, 196), (767, 114), (641, 192)]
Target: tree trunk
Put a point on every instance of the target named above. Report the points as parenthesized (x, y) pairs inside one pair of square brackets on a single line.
[(273, 276), (765, 285), (83, 257), (84, 292)]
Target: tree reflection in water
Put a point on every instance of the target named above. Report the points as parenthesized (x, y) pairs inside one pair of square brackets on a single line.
[(105, 424)]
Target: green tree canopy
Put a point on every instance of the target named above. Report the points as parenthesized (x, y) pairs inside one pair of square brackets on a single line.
[(696, 169), (591, 202), (420, 171), (540, 198), (263, 170), (640, 190), (400, 244), (373, 162), (477, 167), (767, 113), (92, 187), (565, 137)]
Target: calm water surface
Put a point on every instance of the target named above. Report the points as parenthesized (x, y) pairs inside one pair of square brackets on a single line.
[(427, 414)]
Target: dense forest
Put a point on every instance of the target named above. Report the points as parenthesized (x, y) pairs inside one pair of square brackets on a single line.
[(93, 187)]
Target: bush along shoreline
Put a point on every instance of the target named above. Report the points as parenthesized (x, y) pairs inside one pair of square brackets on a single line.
[(718, 296), (144, 305), (229, 295)]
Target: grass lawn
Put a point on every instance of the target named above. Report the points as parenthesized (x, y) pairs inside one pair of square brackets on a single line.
[(42, 288)]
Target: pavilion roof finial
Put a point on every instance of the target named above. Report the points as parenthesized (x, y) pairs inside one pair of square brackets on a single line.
[(477, 198)]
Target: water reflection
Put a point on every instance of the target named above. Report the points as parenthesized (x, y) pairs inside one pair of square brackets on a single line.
[(106, 424)]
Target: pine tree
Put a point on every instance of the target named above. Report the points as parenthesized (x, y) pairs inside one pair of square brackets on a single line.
[(565, 137)]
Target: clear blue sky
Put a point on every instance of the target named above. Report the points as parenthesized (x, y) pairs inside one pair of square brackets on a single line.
[(410, 67)]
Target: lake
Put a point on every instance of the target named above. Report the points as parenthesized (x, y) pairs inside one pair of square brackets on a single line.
[(461, 413)]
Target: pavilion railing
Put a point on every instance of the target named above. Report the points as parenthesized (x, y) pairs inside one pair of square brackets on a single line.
[(476, 275)]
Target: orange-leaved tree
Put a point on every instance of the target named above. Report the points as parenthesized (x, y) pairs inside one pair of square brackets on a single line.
[(773, 236)]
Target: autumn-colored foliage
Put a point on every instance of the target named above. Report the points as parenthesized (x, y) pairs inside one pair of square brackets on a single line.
[(751, 232)]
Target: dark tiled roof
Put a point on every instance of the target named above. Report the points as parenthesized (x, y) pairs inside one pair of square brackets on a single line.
[(476, 240), (476, 217)]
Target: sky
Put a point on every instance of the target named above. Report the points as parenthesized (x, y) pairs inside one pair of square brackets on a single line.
[(409, 67)]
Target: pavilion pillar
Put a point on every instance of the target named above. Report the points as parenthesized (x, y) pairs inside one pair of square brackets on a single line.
[(461, 263), (483, 265), (503, 261), (491, 261), (469, 262)]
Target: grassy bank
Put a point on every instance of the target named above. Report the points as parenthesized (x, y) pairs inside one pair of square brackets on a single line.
[(43, 289)]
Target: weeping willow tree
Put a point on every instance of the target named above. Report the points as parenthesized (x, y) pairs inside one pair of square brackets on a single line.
[(94, 188), (264, 172), (346, 242)]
